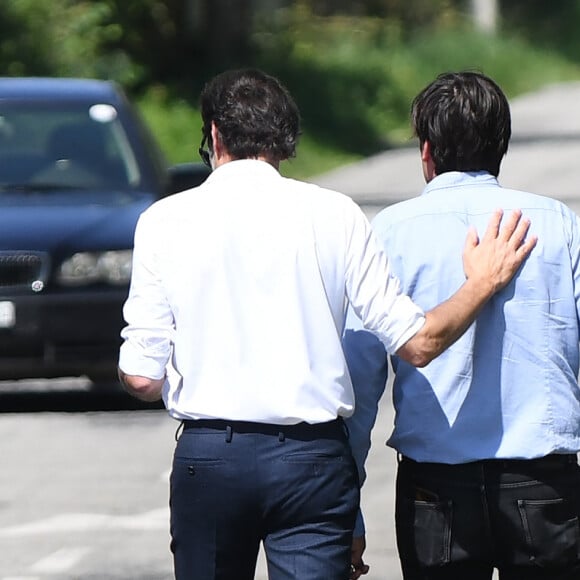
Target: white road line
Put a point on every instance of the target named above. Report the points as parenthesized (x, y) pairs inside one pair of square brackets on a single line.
[(60, 561), (152, 520)]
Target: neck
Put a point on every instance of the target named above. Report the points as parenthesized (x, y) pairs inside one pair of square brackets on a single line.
[(226, 158)]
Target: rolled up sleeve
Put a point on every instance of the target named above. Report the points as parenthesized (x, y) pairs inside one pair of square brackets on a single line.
[(375, 292), (148, 334)]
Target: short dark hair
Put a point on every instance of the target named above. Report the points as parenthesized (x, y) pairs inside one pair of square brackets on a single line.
[(254, 114), (465, 117)]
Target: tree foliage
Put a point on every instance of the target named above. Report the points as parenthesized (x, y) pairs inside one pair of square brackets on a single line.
[(63, 37), (142, 42), (168, 48), (546, 23)]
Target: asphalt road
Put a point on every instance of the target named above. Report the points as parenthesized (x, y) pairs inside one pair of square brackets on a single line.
[(84, 477)]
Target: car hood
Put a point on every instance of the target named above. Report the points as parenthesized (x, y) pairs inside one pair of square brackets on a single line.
[(82, 221)]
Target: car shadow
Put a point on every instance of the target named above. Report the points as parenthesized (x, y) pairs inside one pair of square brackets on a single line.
[(72, 396)]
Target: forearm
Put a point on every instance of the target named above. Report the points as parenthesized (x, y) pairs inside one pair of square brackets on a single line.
[(143, 388), (445, 323)]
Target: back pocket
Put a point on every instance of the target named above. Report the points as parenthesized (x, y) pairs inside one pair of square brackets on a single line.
[(431, 531), (551, 530)]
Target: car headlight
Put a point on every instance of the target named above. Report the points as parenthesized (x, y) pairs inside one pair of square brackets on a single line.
[(83, 268)]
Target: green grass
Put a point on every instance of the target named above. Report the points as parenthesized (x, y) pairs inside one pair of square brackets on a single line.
[(175, 123), (354, 85)]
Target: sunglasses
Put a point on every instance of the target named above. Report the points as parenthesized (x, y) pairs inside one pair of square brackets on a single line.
[(204, 153)]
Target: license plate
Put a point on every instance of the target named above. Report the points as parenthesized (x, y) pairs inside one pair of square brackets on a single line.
[(7, 314)]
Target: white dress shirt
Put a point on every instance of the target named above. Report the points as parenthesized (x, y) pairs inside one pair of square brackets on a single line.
[(240, 288)]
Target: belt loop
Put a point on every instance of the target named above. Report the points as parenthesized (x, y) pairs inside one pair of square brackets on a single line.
[(281, 436), (179, 430), (229, 434)]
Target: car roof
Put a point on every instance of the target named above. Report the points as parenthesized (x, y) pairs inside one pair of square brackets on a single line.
[(47, 88)]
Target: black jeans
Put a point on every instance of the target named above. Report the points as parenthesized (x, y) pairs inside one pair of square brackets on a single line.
[(459, 522)]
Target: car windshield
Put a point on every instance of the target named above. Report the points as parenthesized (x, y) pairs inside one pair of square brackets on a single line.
[(46, 147)]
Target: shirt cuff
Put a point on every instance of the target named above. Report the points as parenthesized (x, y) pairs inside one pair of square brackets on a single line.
[(413, 329), (132, 361)]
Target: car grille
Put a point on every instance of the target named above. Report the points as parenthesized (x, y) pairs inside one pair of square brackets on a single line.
[(23, 270)]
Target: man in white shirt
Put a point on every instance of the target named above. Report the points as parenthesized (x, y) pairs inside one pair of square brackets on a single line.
[(235, 317)]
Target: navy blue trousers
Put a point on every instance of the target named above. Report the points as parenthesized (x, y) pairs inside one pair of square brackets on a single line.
[(459, 522), (235, 484)]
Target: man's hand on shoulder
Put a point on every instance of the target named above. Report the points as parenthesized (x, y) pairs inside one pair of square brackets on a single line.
[(489, 265), (494, 260)]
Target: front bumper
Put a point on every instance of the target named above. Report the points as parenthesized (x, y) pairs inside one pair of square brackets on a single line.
[(64, 334)]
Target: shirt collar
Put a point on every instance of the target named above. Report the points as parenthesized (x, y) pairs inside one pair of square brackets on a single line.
[(241, 167), (452, 179)]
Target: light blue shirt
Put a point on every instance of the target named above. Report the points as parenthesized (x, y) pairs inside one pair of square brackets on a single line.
[(508, 388)]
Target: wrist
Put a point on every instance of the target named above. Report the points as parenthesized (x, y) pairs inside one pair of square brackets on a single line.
[(482, 288)]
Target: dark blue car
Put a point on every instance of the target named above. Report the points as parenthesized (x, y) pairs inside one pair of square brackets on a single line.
[(77, 167)]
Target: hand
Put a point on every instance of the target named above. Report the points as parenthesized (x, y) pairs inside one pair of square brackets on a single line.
[(358, 567), (495, 260)]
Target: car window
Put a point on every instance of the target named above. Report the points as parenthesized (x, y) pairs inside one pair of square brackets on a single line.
[(49, 147)]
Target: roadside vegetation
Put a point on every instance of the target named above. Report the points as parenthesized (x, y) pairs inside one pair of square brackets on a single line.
[(354, 80), (353, 66)]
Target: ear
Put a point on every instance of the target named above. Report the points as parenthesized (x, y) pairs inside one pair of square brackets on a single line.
[(215, 136), (220, 153), (426, 152), (427, 162)]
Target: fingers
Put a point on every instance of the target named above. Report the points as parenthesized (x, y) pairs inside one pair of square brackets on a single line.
[(492, 231), (358, 570), (511, 226), (525, 249), (472, 239), (358, 567), (513, 231), (519, 234), (497, 256)]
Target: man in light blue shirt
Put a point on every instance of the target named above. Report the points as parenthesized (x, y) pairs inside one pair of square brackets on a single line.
[(487, 434)]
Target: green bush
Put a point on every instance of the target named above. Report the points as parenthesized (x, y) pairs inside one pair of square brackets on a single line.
[(63, 38), (354, 80), (175, 123)]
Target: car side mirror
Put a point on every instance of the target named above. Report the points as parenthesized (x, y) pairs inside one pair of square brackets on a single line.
[(185, 176)]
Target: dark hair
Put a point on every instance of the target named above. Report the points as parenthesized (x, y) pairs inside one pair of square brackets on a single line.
[(465, 117), (254, 114)]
